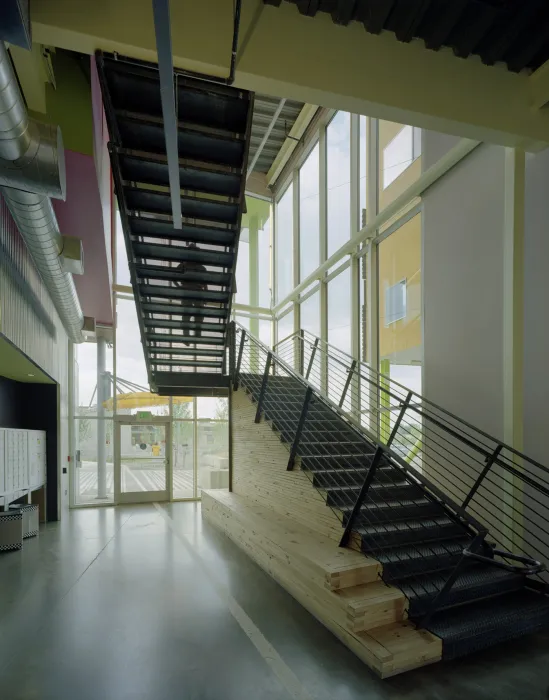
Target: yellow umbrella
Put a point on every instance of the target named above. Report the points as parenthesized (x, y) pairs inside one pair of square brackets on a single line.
[(143, 399)]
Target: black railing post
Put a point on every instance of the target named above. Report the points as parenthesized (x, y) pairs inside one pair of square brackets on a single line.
[(239, 362), (299, 429), (301, 353), (311, 359), (361, 496), (440, 598), (351, 371), (371, 473), (489, 461), (263, 387), (398, 421)]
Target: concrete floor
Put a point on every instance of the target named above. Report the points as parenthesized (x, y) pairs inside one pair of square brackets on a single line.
[(131, 604)]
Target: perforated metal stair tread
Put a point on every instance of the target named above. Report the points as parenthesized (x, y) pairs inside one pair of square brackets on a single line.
[(479, 625), (416, 534), (474, 583), (213, 123), (193, 139)]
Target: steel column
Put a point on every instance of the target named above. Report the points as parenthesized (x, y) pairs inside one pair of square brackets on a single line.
[(263, 387), (299, 429)]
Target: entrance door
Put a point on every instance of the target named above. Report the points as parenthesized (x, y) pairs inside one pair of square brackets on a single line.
[(142, 461)]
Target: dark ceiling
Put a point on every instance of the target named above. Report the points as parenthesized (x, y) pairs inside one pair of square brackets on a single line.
[(515, 32)]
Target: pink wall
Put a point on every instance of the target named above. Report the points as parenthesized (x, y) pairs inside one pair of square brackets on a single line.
[(81, 215)]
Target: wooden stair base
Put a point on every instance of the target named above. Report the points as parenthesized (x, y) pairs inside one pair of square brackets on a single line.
[(340, 587)]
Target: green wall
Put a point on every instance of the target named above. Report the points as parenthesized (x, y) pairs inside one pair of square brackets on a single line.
[(69, 104)]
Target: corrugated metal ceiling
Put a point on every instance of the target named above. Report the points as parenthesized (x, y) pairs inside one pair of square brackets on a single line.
[(264, 109), (515, 32)]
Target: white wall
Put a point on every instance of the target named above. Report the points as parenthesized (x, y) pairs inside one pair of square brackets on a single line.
[(536, 308), (463, 286)]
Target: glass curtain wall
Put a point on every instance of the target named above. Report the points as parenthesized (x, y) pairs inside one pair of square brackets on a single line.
[(338, 170), (309, 214), (199, 426), (400, 336), (332, 199), (285, 244)]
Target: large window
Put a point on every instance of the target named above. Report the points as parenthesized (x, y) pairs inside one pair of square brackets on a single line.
[(310, 314), (400, 337), (243, 269), (309, 214), (122, 270), (399, 164), (264, 258), (338, 139), (284, 244), (339, 331), (285, 326), (339, 311)]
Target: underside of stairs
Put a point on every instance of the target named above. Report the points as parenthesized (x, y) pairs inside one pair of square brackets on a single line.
[(183, 279), (414, 538)]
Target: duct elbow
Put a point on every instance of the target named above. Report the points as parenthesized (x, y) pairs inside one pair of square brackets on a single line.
[(41, 169)]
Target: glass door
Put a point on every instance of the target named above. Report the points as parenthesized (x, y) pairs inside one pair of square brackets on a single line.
[(142, 461)]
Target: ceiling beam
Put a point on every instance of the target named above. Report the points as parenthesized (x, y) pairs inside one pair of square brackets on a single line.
[(313, 60), (266, 135)]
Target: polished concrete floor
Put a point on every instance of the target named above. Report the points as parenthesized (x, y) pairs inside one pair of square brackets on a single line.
[(135, 603)]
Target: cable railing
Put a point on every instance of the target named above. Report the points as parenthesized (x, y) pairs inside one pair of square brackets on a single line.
[(379, 481), (503, 489)]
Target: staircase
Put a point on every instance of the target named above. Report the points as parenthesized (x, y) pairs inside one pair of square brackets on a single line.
[(466, 550), (183, 279)]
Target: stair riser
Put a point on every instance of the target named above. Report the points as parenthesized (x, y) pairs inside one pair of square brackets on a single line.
[(419, 606), (389, 539), (374, 495), (399, 570), (387, 515)]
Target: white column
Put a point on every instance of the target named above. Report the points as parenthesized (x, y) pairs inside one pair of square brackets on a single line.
[(323, 232), (513, 325), (355, 262), (371, 296), (296, 266), (101, 427)]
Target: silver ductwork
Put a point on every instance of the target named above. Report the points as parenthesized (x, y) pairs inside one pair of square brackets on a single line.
[(32, 169)]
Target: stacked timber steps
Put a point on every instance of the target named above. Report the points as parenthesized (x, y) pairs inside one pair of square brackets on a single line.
[(415, 538), (341, 588), (183, 278)]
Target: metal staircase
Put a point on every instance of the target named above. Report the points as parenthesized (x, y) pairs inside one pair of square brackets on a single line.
[(183, 279), (457, 519)]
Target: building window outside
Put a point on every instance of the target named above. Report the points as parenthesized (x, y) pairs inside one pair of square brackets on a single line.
[(309, 214), (395, 302), (284, 244), (400, 333), (400, 153), (338, 143)]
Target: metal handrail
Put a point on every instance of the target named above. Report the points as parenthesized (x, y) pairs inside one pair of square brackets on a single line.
[(301, 334), (465, 439), (362, 432), (444, 435)]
